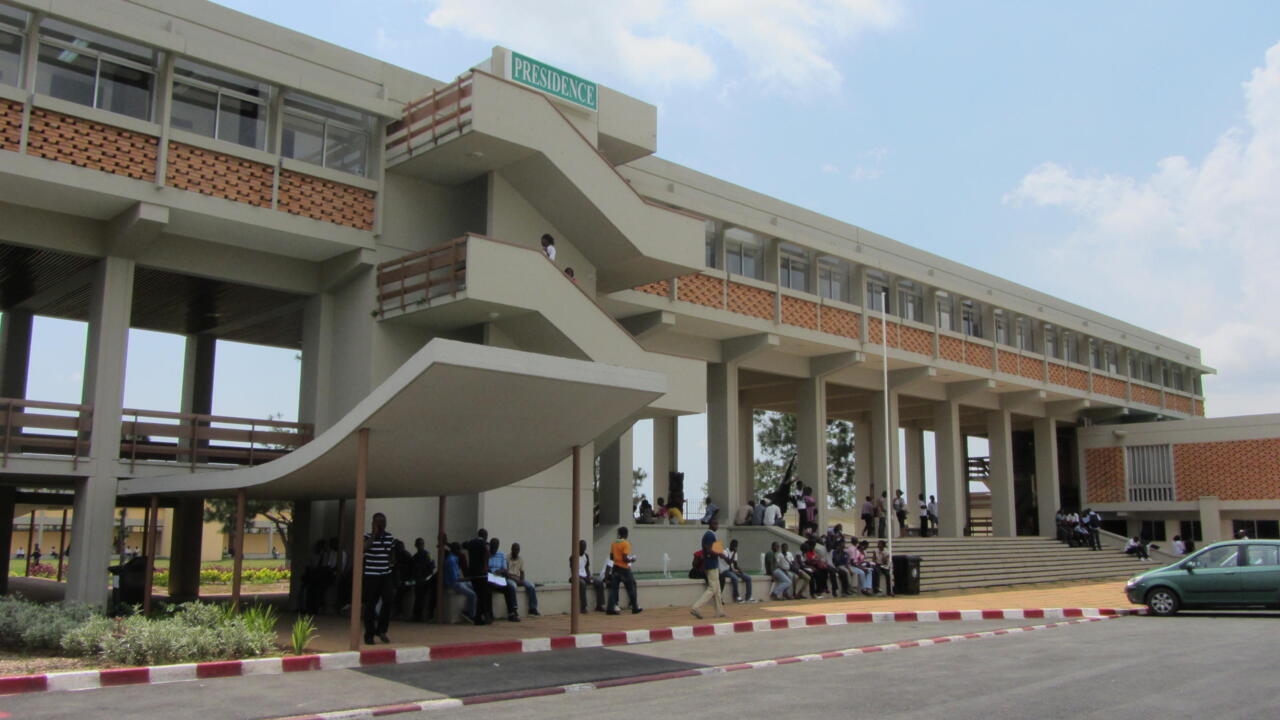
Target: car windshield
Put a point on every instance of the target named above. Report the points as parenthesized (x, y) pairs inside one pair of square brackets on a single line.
[(1216, 557)]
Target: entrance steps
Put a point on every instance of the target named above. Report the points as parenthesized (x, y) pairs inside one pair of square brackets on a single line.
[(970, 562)]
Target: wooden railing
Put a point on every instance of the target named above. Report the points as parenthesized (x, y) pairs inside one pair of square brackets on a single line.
[(195, 439), (440, 116), (65, 429), (420, 277)]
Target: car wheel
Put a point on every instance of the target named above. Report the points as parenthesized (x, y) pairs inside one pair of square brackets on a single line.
[(1163, 602)]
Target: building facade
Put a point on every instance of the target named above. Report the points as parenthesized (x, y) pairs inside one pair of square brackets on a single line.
[(181, 167)]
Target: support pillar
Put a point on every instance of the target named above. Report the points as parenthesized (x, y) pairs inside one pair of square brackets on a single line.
[(299, 549), (862, 464), (1047, 484), (1211, 520), (111, 301), (441, 503), (185, 540), (914, 485), (62, 543), (575, 605), (237, 549), (950, 458), (315, 388), (15, 352), (149, 542), (615, 481), (746, 461), (723, 436), (811, 441), (357, 540), (6, 537), (666, 455), (1000, 440), (880, 423)]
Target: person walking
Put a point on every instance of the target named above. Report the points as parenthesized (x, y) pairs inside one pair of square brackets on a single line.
[(379, 589), (712, 554)]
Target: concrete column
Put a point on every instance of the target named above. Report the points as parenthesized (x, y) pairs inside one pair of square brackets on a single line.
[(811, 441), (949, 458), (111, 301), (197, 374), (879, 463), (666, 453), (6, 536), (15, 352), (723, 436), (914, 439), (186, 543), (1000, 438), (299, 549), (615, 481), (862, 463), (1047, 492), (314, 392), (1211, 520)]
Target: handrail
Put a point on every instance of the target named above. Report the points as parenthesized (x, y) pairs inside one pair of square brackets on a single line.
[(199, 438), (68, 424), (429, 264)]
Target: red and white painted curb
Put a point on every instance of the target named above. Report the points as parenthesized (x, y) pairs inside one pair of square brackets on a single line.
[(451, 702), (90, 679)]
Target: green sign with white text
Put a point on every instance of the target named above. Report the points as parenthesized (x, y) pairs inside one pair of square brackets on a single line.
[(553, 81)]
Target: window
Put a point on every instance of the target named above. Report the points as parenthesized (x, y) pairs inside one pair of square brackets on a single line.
[(742, 253), (1190, 530), (945, 311), (1024, 334), (971, 318), (712, 231), (1257, 529), (1111, 355), (1051, 345), (1152, 530), (877, 288), (1149, 472), (1145, 368), (1178, 379), (1219, 557), (220, 105), (13, 24), (93, 69), (793, 267), (833, 278), (1002, 326), (911, 300), (326, 134), (1262, 555), (1133, 365), (1095, 355), (1070, 347)]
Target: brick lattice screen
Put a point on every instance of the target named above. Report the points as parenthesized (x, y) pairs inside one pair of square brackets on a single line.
[(800, 313), (950, 348), (748, 300), (1104, 470), (1146, 395), (916, 340), (83, 143), (1231, 470), (217, 175), (10, 125), (661, 288), (701, 290), (1108, 386), (840, 322), (978, 355), (325, 200)]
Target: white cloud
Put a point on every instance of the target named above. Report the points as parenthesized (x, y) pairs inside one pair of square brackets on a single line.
[(780, 45), (1189, 250)]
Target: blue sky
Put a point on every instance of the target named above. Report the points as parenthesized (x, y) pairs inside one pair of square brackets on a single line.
[(1121, 155)]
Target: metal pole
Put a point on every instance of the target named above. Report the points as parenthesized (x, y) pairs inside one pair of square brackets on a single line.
[(31, 537), (357, 537), (237, 549), (149, 543), (440, 551), (575, 582), (62, 543), (888, 422)]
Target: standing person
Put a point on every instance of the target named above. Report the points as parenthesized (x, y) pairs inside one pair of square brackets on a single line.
[(582, 564), (924, 516), (1094, 524), (620, 553), (810, 509), (379, 591), (515, 574), (477, 569), (933, 514), (712, 554), (868, 517), (734, 573), (36, 555), (882, 514), (900, 512), (549, 246), (424, 571)]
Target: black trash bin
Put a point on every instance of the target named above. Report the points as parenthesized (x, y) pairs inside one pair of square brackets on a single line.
[(906, 574)]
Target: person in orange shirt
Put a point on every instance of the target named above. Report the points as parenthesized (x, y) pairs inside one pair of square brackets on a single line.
[(620, 553)]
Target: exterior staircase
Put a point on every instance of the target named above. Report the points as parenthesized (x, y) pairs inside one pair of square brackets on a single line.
[(972, 562)]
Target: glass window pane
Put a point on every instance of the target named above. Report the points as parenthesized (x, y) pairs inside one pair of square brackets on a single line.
[(67, 75), (194, 109), (124, 90), (242, 122), (97, 41), (10, 58), (13, 18), (1264, 555), (222, 79), (303, 139), (345, 149)]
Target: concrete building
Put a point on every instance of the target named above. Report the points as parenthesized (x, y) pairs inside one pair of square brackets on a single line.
[(181, 167)]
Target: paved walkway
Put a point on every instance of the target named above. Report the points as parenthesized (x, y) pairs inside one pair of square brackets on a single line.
[(333, 630)]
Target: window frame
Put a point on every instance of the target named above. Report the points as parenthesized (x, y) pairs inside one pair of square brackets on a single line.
[(754, 243), (287, 110), (23, 35), (910, 300), (220, 91), (43, 39), (792, 260), (877, 290), (971, 318), (828, 268)]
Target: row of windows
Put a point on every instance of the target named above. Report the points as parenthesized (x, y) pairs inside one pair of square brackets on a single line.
[(742, 252), (90, 68)]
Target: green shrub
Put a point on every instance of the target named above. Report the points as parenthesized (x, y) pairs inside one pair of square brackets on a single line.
[(29, 625), (192, 632), (304, 629)]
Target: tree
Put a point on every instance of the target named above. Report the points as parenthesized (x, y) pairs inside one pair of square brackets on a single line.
[(223, 510), (776, 433), (638, 476)]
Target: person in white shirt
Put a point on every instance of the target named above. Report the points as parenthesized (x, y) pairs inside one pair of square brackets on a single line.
[(1179, 547), (772, 515), (933, 514), (549, 247), (799, 578), (585, 578)]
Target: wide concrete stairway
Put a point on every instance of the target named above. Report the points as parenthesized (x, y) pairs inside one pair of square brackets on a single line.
[(954, 563)]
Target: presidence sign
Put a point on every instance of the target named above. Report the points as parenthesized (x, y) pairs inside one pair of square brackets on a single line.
[(553, 81)]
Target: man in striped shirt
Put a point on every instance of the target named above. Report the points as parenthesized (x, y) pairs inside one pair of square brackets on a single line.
[(379, 580)]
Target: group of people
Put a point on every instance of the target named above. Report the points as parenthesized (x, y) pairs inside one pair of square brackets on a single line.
[(478, 568), (1080, 529), (663, 514), (548, 244), (834, 564), (875, 514)]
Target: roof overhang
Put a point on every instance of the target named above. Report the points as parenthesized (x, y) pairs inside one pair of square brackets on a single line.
[(456, 418)]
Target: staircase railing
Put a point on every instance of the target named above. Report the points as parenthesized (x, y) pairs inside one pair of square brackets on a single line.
[(420, 277)]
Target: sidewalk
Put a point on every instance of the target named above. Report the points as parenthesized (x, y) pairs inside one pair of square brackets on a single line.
[(333, 630)]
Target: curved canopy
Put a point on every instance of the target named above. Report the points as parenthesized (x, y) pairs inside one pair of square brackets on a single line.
[(456, 418)]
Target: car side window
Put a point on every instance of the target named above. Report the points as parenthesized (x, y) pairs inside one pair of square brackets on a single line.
[(1264, 555), (1216, 558)]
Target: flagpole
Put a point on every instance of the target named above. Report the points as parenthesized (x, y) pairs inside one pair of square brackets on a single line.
[(888, 422)]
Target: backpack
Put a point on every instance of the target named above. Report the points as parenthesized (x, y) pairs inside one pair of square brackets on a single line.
[(698, 570)]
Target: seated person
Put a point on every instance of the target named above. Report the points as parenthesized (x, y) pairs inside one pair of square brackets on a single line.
[(734, 574), (712, 513), (800, 576), (456, 583), (1136, 546), (670, 512), (781, 580), (646, 516), (772, 514), (498, 570), (586, 579), (745, 513), (516, 577)]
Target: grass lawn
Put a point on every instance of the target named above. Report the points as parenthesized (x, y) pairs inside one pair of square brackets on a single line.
[(18, 567)]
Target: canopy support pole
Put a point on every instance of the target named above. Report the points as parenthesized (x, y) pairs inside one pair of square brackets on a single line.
[(575, 608), (357, 537), (237, 550)]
